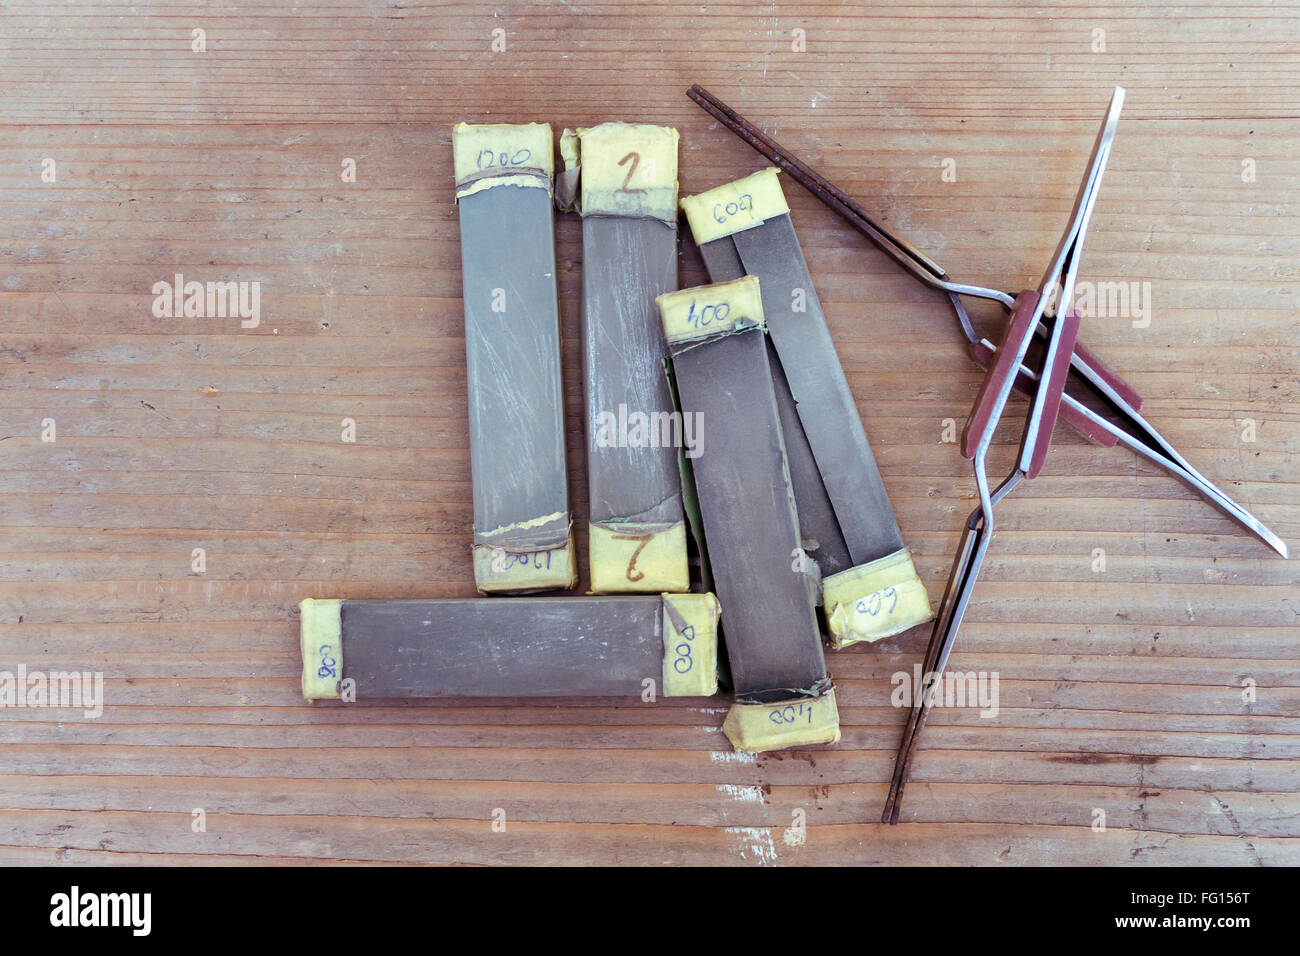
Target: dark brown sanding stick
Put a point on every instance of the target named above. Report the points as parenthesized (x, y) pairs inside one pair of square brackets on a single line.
[(627, 195), (618, 646), (744, 228), (822, 539), (784, 697), (522, 529)]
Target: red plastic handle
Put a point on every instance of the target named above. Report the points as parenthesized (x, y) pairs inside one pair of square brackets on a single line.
[(1051, 387), (982, 352), (1121, 387), (1003, 367)]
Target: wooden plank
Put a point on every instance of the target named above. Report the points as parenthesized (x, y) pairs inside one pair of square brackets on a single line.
[(177, 434), (446, 841), (1151, 810)]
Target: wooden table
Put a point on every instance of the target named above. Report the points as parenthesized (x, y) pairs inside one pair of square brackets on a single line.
[(963, 127)]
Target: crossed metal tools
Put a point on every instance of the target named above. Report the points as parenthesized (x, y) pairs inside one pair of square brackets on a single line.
[(1071, 383)]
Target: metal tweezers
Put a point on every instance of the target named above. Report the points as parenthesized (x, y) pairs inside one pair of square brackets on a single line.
[(1092, 385), (1027, 314)]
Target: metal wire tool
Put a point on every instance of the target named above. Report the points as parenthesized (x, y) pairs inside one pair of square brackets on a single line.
[(1096, 402), (1070, 381), (1026, 317)]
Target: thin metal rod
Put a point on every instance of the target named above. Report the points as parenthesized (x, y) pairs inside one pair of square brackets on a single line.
[(1064, 264), (957, 582), (902, 252), (961, 586)]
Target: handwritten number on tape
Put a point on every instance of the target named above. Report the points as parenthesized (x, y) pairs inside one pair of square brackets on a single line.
[(792, 714), (489, 158), (328, 665), (874, 603), (683, 663), (711, 314), (633, 572), (537, 560), (724, 211), (627, 180)]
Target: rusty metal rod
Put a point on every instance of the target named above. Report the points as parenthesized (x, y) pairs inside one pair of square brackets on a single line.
[(902, 252)]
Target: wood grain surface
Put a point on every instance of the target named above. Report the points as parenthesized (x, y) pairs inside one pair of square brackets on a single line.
[(1120, 690)]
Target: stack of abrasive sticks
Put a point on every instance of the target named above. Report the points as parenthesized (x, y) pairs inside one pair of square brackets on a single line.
[(725, 454)]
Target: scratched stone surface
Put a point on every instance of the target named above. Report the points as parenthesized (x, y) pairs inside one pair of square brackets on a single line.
[(1147, 650)]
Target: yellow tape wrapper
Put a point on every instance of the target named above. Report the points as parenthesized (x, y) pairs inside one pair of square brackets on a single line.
[(875, 600), (501, 570), (735, 207), (756, 728), (628, 169), (502, 155), (627, 557), (706, 311), (322, 648), (690, 645)]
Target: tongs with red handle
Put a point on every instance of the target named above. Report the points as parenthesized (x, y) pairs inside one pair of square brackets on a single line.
[(1092, 384), (1027, 315), (979, 526)]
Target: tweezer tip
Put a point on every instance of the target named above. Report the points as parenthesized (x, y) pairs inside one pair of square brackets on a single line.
[(1265, 535)]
